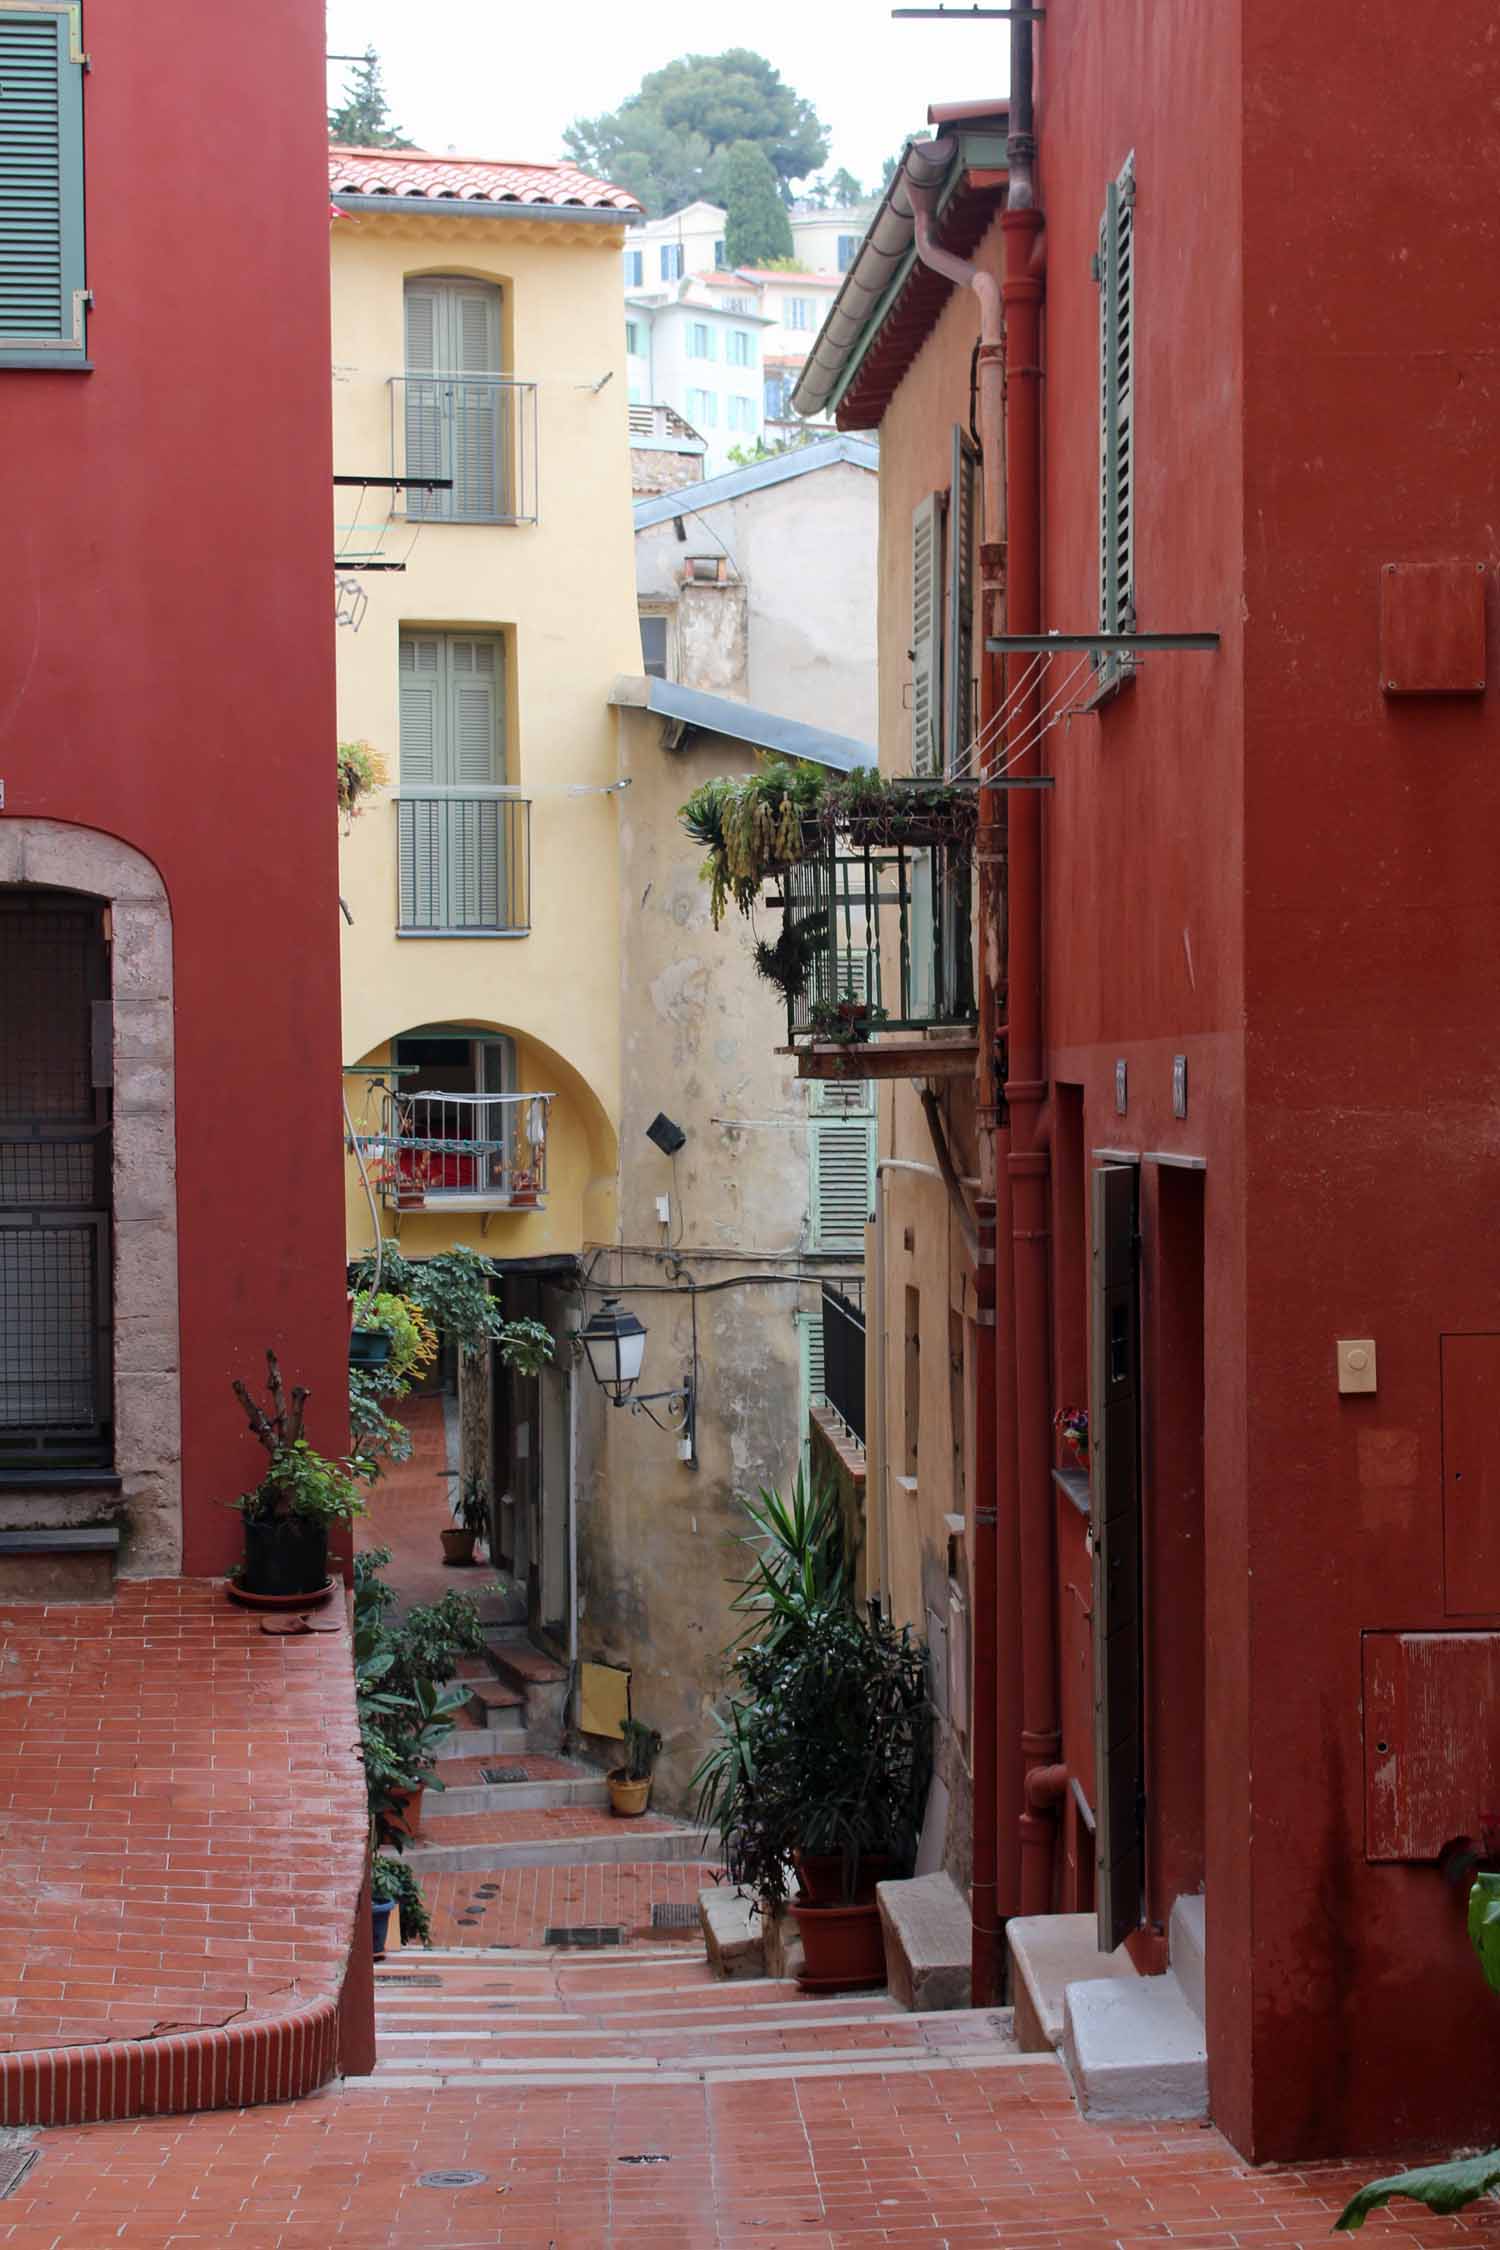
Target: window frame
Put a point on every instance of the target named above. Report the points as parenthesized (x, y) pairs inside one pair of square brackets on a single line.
[(671, 261), (635, 269), (68, 349)]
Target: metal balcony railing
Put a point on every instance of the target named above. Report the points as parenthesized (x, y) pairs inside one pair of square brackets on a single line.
[(478, 430), (479, 1152), (888, 938), (844, 1358), (463, 862)]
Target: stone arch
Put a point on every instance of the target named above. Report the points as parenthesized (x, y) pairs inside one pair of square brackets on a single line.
[(147, 1383)]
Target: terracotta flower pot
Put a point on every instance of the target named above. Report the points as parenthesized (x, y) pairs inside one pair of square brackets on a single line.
[(406, 1810), (842, 1947), (458, 1545), (821, 1875), (628, 1799)]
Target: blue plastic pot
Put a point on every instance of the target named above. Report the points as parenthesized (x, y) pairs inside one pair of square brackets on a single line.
[(380, 1916)]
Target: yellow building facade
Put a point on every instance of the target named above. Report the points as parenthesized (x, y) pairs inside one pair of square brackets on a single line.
[(479, 408)]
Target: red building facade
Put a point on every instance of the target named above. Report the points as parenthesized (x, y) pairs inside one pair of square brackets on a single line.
[(1256, 1131), (169, 1056)]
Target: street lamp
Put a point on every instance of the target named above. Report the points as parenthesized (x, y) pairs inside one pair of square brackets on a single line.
[(614, 1343)]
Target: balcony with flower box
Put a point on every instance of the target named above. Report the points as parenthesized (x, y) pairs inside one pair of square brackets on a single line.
[(460, 1152)]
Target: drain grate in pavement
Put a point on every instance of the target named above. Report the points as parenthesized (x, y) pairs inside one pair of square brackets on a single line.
[(15, 2163), (643, 2159), (583, 1934), (451, 2179), (504, 1773), (677, 1914), (384, 1977)]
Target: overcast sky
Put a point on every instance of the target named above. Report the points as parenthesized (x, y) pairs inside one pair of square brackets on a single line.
[(495, 78)]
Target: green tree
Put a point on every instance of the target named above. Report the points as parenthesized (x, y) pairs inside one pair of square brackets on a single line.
[(757, 227), (667, 141), (364, 119)]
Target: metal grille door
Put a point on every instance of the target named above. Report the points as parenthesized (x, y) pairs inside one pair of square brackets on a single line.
[(54, 1183)]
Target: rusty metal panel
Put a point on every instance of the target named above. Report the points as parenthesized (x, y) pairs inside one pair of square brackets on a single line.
[(1471, 1475), (1432, 1740), (1432, 628)]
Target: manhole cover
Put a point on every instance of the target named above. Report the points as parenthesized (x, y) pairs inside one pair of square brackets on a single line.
[(451, 2179), (583, 1934), (15, 2163), (504, 1773), (643, 2159), (679, 1914)]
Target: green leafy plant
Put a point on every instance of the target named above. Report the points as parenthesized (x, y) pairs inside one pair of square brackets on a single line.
[(392, 1881), (362, 771), (453, 1290), (751, 827), (787, 961), (414, 1343), (1450, 2187), (846, 1023), (300, 1482), (799, 1563), (404, 1695), (642, 1749), (376, 1434), (470, 1505)]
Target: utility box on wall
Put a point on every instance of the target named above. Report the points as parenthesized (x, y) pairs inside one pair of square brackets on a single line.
[(1432, 628), (1432, 1741)]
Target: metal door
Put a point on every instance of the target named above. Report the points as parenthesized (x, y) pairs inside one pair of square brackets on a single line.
[(1115, 1513)]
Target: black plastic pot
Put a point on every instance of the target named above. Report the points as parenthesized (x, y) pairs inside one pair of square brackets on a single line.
[(380, 1919), (286, 1555), (369, 1347)]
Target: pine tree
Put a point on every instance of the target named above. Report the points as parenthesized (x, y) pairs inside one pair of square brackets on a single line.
[(757, 227), (667, 141), (364, 119)]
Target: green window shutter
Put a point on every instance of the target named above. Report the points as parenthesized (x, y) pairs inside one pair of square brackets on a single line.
[(42, 289), (926, 633), (842, 1153), (476, 758), (957, 715), (1115, 271), (424, 405), (419, 821), (454, 428)]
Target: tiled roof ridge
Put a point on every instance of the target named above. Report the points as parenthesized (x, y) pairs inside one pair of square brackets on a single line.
[(421, 172)]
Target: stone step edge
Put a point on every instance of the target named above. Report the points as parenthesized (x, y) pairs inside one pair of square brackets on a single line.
[(458, 1797), (675, 2074), (898, 2019), (662, 1847), (276, 2058)]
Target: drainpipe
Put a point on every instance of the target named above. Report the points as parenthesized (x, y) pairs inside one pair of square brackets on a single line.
[(1025, 1089), (983, 1737)]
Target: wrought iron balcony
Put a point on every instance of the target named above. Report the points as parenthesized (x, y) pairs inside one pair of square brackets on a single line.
[(478, 430), (463, 862), (881, 933), (472, 1152)]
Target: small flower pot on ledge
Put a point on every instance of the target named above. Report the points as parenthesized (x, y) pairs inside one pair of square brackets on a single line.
[(628, 1799)]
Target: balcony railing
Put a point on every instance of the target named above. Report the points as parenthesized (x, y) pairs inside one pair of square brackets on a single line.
[(477, 1152), (478, 430), (888, 938), (463, 862), (844, 1358)]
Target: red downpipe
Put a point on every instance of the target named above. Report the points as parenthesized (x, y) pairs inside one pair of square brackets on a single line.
[(1026, 1090), (988, 1814)]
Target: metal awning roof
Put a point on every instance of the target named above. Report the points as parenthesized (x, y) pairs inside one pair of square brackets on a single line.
[(742, 722)]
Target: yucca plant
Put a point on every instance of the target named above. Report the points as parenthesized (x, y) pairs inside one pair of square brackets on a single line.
[(1450, 2187)]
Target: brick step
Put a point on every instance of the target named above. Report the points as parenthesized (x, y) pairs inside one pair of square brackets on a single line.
[(459, 1798), (523, 1665), (654, 2011), (551, 1839), (538, 2048), (489, 1697)]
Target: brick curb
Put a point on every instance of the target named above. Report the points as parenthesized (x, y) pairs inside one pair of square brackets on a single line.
[(229, 2066)]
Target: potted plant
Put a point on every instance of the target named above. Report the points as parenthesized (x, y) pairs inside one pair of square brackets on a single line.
[(1072, 1426), (847, 1022), (286, 1516), (394, 1886), (390, 1331), (362, 771), (522, 1188), (471, 1517), (630, 1783)]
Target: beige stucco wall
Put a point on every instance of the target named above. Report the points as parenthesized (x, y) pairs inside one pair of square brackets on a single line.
[(657, 1539), (805, 553), (562, 593)]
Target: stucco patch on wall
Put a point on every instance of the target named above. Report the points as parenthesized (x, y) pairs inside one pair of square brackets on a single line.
[(147, 1378)]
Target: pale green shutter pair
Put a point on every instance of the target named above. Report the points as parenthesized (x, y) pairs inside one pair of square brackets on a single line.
[(43, 297), (453, 871), (456, 415)]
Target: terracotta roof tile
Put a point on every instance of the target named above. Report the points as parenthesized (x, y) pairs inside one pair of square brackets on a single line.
[(389, 172)]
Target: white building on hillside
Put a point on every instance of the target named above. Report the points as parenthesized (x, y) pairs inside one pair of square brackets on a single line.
[(688, 352), (826, 241)]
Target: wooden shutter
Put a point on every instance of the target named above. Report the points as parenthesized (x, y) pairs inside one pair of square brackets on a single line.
[(42, 294), (475, 758), (842, 1153), (474, 332), (1115, 271), (926, 633), (425, 453), (424, 760), (957, 713), (1115, 1510)]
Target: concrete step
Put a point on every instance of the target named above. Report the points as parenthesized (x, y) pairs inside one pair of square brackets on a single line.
[(1188, 1947), (490, 1697), (928, 1934), (508, 1739), (590, 1791), (625, 1845), (1048, 1952), (1134, 2049), (539, 1681)]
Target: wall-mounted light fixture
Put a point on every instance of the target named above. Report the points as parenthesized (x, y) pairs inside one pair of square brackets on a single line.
[(614, 1343)]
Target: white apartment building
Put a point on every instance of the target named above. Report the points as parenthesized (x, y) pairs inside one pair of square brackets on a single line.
[(826, 241), (690, 352)]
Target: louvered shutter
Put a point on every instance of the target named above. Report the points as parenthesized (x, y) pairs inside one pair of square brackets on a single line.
[(1116, 276), (424, 401), (474, 329), (42, 295), (959, 662), (926, 633), (422, 903), (842, 1151), (475, 759)]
